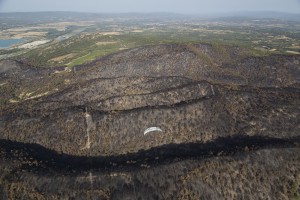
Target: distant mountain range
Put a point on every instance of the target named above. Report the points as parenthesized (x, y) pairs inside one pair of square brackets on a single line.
[(42, 16), (256, 15)]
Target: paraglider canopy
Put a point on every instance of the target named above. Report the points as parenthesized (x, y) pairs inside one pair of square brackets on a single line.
[(152, 129)]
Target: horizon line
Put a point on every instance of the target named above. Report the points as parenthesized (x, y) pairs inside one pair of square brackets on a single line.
[(155, 12)]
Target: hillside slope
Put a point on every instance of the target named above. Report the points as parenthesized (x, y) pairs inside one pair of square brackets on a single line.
[(216, 106)]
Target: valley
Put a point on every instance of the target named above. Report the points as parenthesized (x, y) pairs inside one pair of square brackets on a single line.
[(136, 106)]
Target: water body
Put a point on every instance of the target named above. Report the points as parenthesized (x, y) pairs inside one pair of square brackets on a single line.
[(5, 43)]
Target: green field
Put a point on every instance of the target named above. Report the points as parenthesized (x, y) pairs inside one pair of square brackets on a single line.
[(89, 39)]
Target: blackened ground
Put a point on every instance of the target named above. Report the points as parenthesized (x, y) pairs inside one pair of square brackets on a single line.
[(49, 159), (231, 168), (230, 126)]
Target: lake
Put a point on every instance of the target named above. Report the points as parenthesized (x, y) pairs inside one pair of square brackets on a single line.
[(4, 43)]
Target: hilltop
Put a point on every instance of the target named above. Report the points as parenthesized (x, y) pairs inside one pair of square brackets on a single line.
[(218, 100)]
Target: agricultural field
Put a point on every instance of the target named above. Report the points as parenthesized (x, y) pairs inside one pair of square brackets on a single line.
[(69, 43)]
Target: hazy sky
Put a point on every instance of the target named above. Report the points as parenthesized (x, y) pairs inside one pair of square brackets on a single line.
[(175, 6)]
